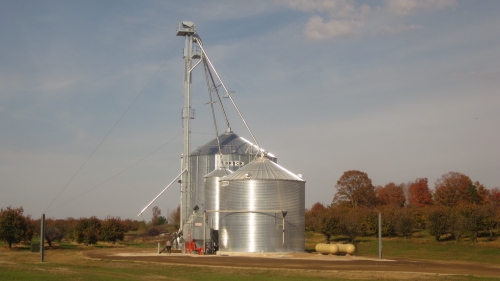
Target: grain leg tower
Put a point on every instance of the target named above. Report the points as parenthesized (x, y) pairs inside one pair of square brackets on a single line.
[(234, 195)]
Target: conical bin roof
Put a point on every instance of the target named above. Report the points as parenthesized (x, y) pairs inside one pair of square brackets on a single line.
[(230, 143), (262, 169), (221, 172)]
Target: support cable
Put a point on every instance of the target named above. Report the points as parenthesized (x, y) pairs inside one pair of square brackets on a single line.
[(228, 94), (215, 88), (209, 78)]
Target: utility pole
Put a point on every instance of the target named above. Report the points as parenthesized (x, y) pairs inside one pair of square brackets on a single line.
[(379, 236), (42, 238)]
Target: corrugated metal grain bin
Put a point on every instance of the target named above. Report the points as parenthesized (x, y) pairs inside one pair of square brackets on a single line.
[(251, 201), (236, 152), (212, 195)]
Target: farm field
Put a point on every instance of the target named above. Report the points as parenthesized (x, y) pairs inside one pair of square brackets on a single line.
[(139, 261)]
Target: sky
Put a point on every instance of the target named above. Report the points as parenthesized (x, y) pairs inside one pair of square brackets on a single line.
[(91, 94)]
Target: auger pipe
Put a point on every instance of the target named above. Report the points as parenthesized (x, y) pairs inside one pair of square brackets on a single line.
[(162, 192)]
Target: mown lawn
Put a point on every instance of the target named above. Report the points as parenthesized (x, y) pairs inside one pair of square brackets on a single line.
[(65, 264), (420, 246)]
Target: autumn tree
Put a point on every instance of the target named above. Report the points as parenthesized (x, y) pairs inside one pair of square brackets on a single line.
[(453, 188), (438, 220), (493, 210), (391, 194), (329, 223), (313, 216), (175, 217), (68, 225), (389, 219), (134, 225), (355, 189), (112, 229), (481, 194), (14, 227), (156, 212), (406, 221), (492, 219), (467, 219), (456, 223), (157, 218), (419, 193), (87, 230), (494, 197), (354, 222), (53, 231), (473, 219)]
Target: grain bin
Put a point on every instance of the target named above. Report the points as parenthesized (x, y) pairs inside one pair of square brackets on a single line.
[(212, 195), (251, 203), (236, 152)]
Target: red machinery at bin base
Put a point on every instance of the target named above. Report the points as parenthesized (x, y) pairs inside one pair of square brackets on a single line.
[(190, 247)]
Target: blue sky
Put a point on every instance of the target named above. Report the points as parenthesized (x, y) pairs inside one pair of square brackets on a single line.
[(397, 89)]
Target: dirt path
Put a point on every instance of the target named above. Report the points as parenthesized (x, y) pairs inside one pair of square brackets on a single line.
[(304, 261)]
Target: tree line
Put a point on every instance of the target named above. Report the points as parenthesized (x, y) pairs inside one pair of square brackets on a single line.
[(15, 227), (456, 208)]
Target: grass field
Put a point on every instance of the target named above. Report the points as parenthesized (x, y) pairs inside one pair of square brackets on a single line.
[(66, 262), (421, 246)]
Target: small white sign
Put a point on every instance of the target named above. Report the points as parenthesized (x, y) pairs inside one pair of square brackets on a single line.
[(234, 163)]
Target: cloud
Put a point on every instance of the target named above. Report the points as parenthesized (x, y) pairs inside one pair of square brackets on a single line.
[(340, 18), (344, 18), (336, 8), (394, 29), (405, 7), (319, 29)]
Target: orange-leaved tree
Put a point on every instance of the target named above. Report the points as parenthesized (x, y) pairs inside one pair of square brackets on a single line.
[(494, 197), (453, 188), (481, 194), (313, 216), (355, 188), (419, 193), (391, 194)]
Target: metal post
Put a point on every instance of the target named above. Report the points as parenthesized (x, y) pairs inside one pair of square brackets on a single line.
[(283, 213), (204, 233), (283, 230), (379, 236), (42, 238)]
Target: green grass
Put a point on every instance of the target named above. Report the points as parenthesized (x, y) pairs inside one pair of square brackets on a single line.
[(420, 246), (64, 261), (140, 245), (108, 270), (425, 247), (21, 265)]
